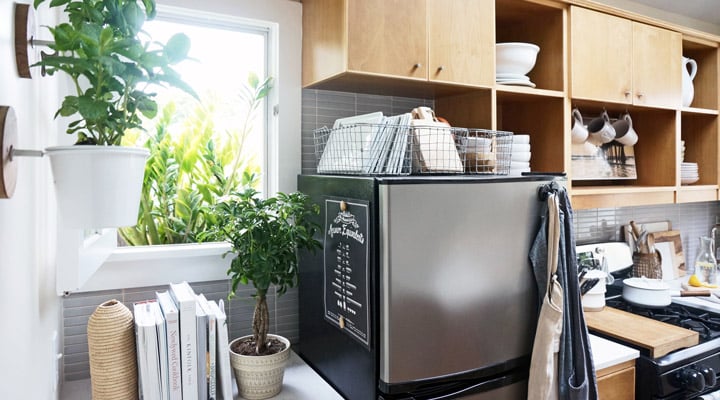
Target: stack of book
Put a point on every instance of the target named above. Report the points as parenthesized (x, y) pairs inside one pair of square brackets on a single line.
[(182, 346)]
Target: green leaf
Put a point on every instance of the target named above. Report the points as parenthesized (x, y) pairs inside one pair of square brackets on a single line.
[(91, 109), (177, 48), (53, 3), (106, 37), (69, 106), (150, 9)]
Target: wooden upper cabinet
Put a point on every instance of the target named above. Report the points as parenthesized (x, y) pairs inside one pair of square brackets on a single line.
[(449, 41), (461, 41), (657, 63), (388, 37), (617, 60), (600, 56)]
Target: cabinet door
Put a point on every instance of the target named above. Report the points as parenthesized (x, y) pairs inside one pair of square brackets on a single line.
[(619, 385), (387, 37), (600, 56), (657, 63), (461, 40)]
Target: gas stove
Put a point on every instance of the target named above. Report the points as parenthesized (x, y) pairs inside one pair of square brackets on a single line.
[(683, 374)]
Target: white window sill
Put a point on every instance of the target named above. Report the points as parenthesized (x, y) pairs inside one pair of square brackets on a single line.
[(142, 266)]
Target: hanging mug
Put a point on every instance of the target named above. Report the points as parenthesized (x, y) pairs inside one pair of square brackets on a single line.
[(579, 132), (624, 132), (600, 130)]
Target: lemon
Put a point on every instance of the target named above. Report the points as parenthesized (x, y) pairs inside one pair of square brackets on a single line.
[(694, 281)]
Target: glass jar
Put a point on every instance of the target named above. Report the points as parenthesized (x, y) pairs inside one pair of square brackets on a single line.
[(715, 234), (705, 263)]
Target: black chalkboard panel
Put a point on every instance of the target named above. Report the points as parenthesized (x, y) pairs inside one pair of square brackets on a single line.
[(346, 268)]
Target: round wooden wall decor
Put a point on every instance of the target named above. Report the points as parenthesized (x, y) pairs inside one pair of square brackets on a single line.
[(25, 53), (8, 141)]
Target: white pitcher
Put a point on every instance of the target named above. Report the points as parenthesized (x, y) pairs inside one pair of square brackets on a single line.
[(688, 91)]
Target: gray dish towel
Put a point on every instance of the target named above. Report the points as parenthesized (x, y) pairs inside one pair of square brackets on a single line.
[(576, 373)]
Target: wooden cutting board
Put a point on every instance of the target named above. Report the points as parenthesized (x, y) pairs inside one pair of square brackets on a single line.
[(678, 257), (658, 337)]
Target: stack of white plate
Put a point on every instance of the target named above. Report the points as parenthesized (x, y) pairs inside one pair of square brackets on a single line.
[(689, 173), (682, 150), (520, 155), (514, 79)]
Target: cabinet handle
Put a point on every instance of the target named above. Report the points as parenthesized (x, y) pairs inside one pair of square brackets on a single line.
[(640, 95), (627, 94), (416, 66), (440, 68)]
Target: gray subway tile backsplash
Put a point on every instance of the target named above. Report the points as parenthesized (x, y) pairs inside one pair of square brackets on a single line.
[(321, 108)]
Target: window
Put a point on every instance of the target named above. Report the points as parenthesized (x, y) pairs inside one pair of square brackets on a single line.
[(137, 267), (224, 54)]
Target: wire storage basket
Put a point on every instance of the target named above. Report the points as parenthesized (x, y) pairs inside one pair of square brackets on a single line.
[(487, 152), (420, 147)]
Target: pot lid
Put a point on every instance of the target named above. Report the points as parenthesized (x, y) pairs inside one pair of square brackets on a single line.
[(647, 283)]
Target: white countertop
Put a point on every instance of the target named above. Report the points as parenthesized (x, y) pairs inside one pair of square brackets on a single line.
[(607, 353), (300, 383)]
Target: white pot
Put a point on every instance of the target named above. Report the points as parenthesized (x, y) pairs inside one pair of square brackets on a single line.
[(98, 186), (259, 377)]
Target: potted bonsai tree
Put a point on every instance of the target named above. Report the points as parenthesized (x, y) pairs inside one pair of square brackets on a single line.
[(111, 68), (266, 235)]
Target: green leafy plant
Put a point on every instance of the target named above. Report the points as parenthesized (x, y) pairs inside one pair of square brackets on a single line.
[(190, 169), (101, 50), (266, 235)]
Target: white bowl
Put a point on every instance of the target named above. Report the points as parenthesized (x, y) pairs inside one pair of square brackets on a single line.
[(521, 139), (515, 58), (520, 148), (523, 156)]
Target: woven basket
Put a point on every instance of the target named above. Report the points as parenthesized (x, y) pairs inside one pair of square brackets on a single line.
[(647, 265), (111, 344)]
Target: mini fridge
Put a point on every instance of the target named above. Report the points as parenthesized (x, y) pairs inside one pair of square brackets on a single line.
[(423, 288)]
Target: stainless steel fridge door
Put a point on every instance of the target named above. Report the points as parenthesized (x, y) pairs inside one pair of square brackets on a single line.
[(457, 290)]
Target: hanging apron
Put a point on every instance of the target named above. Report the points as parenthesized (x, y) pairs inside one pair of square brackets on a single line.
[(543, 380)]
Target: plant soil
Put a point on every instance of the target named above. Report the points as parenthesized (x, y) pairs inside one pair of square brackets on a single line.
[(248, 346)]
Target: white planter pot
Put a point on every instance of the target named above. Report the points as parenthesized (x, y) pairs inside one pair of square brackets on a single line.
[(259, 377), (98, 186)]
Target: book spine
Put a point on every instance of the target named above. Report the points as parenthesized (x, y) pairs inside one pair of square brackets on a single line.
[(212, 349), (188, 341), (202, 356), (172, 325), (223, 353)]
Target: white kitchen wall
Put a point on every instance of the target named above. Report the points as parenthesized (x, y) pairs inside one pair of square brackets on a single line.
[(28, 304)]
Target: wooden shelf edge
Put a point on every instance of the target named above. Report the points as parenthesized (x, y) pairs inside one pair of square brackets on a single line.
[(388, 85), (697, 193), (509, 89), (625, 196), (594, 190), (695, 110)]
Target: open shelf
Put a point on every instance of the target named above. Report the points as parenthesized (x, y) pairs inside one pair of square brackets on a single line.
[(699, 131), (540, 117), (540, 24), (705, 83), (655, 152)]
